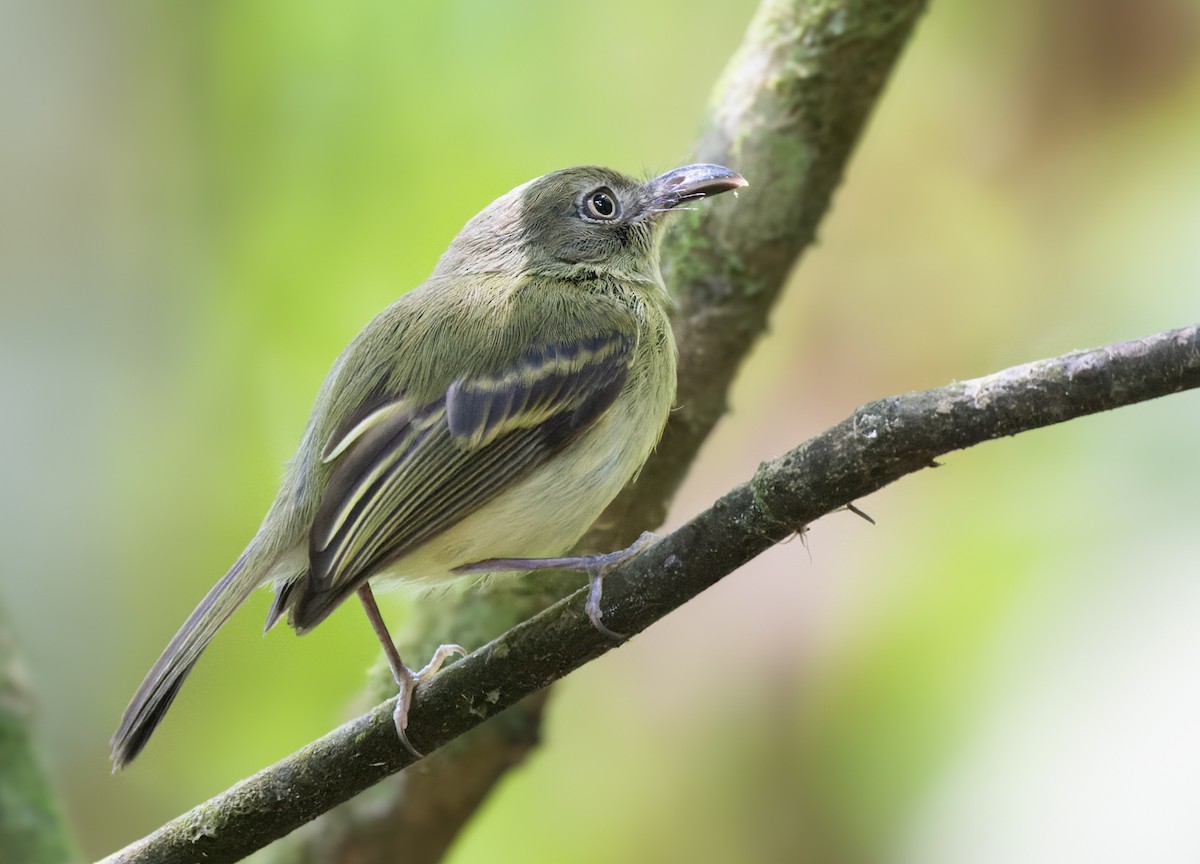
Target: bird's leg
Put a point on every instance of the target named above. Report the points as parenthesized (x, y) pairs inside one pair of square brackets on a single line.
[(596, 567), (406, 679)]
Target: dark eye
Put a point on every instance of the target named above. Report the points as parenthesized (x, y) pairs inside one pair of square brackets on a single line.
[(601, 204)]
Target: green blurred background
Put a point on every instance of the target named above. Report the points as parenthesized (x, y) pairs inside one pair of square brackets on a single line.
[(203, 202)]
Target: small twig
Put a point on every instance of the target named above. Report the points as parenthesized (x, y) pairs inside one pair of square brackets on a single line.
[(866, 517)]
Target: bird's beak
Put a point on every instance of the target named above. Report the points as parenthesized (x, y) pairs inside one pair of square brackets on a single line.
[(691, 183)]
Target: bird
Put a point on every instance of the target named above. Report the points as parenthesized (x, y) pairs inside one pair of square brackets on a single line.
[(480, 423)]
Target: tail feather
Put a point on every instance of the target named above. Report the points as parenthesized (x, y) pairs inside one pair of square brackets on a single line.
[(306, 602), (163, 681)]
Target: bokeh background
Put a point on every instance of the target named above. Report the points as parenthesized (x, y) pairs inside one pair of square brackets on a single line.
[(203, 202)]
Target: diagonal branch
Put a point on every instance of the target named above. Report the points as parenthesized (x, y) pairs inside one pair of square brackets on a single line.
[(880, 443)]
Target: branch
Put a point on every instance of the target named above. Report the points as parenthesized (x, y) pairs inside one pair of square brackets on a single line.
[(787, 113), (881, 442), (32, 830)]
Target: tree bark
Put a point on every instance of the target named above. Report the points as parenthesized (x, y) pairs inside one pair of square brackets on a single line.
[(787, 113), (878, 444)]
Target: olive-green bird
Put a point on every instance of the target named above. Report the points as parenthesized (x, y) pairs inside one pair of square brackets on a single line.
[(480, 423)]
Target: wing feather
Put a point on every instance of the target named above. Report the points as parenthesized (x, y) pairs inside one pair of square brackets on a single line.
[(406, 472)]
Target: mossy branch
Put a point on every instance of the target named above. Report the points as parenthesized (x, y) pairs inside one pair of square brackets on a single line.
[(787, 113), (878, 444)]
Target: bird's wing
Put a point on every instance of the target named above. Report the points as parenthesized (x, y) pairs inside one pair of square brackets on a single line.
[(405, 472)]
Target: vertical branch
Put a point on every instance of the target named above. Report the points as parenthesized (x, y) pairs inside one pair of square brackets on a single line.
[(786, 113), (32, 830)]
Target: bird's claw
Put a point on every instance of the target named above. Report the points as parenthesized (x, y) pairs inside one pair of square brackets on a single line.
[(407, 680), (600, 566)]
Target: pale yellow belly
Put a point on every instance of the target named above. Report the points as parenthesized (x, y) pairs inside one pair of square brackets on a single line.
[(547, 512)]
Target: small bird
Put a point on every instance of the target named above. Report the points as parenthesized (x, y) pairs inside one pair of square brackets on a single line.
[(480, 423)]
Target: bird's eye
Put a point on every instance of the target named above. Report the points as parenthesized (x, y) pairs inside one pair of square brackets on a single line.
[(601, 204)]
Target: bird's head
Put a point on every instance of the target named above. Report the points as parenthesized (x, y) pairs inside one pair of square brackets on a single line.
[(577, 219)]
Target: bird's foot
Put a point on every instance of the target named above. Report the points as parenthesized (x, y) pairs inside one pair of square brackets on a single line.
[(595, 566), (407, 680)]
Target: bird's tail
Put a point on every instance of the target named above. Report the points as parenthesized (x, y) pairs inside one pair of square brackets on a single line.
[(162, 682)]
